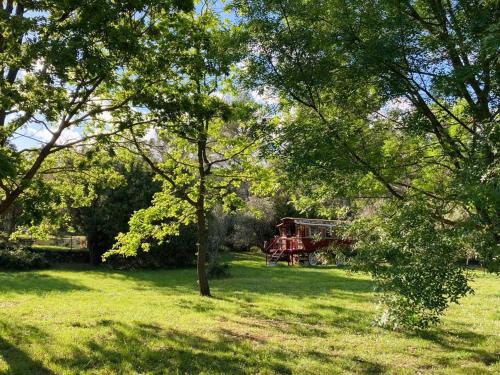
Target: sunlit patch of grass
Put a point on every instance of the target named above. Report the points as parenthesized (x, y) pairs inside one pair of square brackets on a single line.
[(279, 320)]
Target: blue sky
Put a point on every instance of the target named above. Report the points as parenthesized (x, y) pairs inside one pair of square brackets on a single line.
[(219, 8)]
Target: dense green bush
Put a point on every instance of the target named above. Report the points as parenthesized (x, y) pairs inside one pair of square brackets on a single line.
[(175, 251), (218, 270), (336, 253), (417, 264), (63, 256), (20, 258), (112, 207), (255, 249)]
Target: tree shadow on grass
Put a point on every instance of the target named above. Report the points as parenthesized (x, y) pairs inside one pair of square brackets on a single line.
[(248, 278), (304, 324), (148, 348), (37, 283), (462, 340), (293, 282), (116, 347), (20, 362), (181, 279)]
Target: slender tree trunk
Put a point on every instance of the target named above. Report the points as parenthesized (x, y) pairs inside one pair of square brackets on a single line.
[(202, 223), (202, 253), (94, 252)]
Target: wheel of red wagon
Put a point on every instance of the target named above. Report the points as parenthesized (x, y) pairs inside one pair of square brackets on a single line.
[(313, 259)]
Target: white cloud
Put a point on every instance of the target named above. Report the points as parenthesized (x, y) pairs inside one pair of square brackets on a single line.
[(225, 97), (395, 107), (44, 135), (265, 96), (67, 136), (39, 65), (399, 104), (105, 116), (151, 135)]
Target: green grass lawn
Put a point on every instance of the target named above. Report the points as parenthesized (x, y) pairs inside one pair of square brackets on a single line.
[(260, 321)]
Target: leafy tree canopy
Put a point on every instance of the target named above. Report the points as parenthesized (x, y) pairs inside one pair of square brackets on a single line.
[(205, 135), (59, 60)]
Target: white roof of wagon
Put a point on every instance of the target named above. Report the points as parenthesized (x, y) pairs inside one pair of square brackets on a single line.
[(316, 222)]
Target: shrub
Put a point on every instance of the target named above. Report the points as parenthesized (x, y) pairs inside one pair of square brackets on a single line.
[(415, 262), (218, 270), (63, 255), (255, 249), (159, 256), (338, 254), (21, 259), (177, 251)]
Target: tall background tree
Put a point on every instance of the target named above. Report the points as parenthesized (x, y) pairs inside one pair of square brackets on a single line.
[(109, 205), (205, 134), (392, 107)]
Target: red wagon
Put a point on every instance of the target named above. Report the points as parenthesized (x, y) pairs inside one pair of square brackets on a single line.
[(299, 239)]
